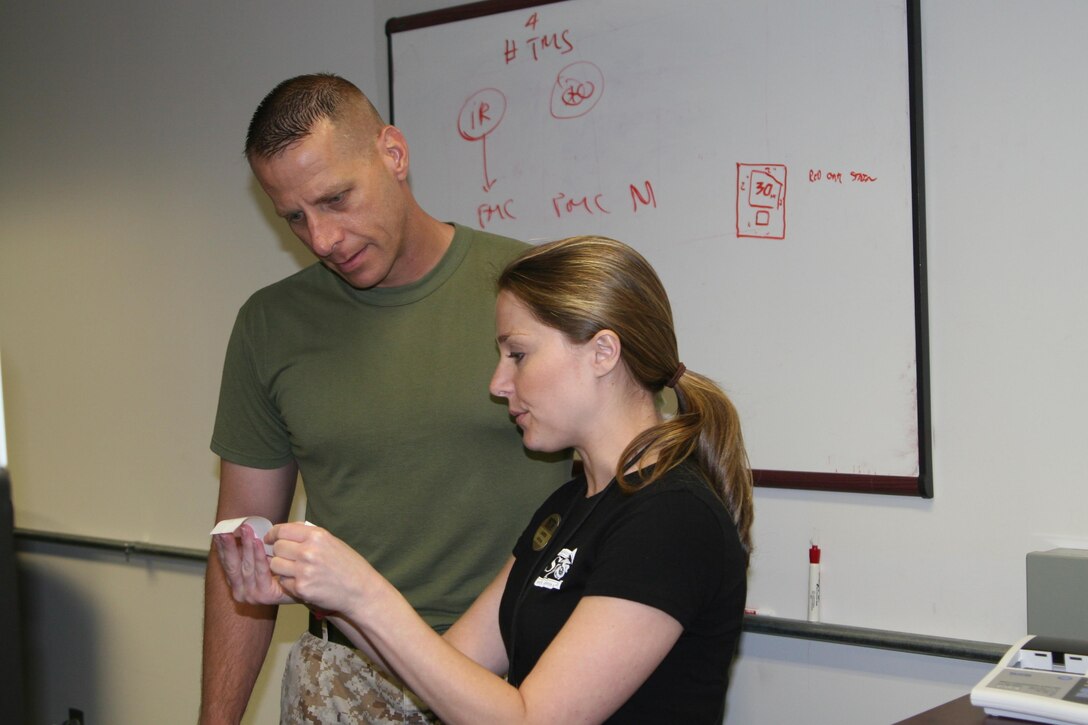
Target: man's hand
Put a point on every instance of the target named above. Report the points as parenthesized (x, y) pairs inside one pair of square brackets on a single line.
[(245, 564)]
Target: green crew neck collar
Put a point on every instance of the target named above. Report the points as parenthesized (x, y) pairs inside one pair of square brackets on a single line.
[(424, 286)]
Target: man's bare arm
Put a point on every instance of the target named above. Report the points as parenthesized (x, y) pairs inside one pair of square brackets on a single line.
[(236, 636)]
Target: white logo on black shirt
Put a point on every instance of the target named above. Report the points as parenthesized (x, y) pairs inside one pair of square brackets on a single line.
[(558, 569)]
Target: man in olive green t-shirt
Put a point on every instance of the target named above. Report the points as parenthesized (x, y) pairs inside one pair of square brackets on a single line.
[(367, 374)]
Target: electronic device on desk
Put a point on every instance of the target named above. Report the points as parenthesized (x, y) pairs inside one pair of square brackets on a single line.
[(1044, 679)]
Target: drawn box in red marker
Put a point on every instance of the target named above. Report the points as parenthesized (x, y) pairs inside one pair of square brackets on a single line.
[(761, 201)]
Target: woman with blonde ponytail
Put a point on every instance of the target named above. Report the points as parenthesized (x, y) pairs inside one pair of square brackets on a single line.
[(583, 285), (624, 597)]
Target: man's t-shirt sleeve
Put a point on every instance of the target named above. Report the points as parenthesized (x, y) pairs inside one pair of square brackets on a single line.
[(248, 428)]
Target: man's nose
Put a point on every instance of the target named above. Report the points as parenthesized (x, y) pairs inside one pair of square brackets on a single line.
[(324, 235)]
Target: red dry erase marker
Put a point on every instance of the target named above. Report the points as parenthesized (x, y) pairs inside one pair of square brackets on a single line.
[(814, 583)]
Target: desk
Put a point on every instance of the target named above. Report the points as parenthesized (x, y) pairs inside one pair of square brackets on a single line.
[(958, 712)]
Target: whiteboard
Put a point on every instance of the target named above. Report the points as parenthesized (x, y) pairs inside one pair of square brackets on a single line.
[(758, 153)]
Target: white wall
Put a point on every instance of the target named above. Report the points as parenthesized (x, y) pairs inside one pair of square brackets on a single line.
[(134, 233), (120, 146)]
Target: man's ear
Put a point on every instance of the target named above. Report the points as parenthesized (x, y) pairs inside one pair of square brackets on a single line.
[(393, 148), (605, 346)]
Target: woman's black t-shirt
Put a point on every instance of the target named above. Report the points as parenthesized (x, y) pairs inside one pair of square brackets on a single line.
[(671, 546)]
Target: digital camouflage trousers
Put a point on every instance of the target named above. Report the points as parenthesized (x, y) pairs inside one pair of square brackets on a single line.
[(325, 682)]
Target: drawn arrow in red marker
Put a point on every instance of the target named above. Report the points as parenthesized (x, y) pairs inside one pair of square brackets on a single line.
[(480, 115), (488, 181)]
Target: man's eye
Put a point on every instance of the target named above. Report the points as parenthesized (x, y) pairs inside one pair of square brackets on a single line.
[(294, 218), (516, 356)]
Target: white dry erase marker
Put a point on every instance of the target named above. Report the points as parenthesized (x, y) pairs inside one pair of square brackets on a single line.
[(814, 583)]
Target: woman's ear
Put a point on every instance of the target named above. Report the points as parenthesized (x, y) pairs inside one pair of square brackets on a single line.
[(605, 346)]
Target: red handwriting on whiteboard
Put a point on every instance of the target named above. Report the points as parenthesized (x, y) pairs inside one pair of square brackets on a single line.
[(646, 197), (487, 213), (480, 115), (836, 177), (561, 204), (576, 90), (565, 205), (761, 201), (540, 45)]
